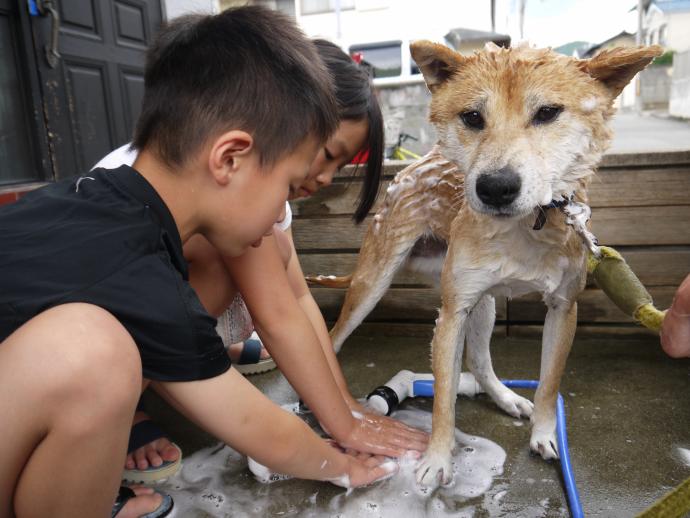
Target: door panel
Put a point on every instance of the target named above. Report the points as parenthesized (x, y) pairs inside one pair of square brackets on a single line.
[(132, 82), (91, 113), (93, 97), (131, 24), (78, 19)]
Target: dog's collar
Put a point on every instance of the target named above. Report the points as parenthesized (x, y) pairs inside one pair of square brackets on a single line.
[(577, 214), (541, 214)]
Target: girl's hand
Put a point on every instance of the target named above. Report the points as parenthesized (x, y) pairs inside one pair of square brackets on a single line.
[(365, 469), (379, 435)]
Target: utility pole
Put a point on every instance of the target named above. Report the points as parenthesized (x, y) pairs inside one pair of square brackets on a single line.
[(338, 31), (639, 41)]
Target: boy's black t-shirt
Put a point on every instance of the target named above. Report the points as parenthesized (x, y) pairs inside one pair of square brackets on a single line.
[(108, 239)]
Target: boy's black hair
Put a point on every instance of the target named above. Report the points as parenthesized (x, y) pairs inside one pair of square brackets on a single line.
[(247, 68), (357, 100)]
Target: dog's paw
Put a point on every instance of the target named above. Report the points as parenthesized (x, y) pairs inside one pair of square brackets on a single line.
[(434, 469), (514, 405), (544, 443)]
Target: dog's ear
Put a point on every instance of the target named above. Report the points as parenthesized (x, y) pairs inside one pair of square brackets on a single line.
[(616, 67), (437, 62)]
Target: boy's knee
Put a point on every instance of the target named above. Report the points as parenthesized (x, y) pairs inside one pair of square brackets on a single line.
[(110, 349), (97, 349)]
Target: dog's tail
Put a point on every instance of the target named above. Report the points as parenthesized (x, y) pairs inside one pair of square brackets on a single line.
[(330, 281)]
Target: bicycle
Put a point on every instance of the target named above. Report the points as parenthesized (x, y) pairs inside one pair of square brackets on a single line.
[(400, 153)]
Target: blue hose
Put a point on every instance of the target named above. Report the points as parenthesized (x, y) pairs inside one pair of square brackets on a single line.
[(425, 388)]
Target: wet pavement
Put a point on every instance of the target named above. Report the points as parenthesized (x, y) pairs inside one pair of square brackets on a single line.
[(628, 415)]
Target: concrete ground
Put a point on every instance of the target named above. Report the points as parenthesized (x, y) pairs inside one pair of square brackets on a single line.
[(628, 415)]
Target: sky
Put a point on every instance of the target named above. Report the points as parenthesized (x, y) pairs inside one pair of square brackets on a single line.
[(556, 22)]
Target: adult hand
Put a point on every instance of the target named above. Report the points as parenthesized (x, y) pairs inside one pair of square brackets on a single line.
[(675, 329)]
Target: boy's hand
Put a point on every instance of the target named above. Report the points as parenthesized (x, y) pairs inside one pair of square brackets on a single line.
[(381, 435)]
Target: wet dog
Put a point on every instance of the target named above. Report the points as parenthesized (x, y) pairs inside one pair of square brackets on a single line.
[(521, 132)]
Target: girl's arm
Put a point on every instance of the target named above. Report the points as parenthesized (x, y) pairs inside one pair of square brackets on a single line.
[(233, 410), (288, 335), (311, 309)]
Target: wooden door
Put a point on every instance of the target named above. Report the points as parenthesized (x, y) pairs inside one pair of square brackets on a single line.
[(91, 95)]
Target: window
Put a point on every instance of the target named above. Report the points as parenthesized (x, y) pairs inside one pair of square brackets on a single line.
[(662, 35), (324, 6), (382, 59), (414, 68)]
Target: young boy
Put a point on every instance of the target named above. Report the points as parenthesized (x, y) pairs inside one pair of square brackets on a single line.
[(94, 295)]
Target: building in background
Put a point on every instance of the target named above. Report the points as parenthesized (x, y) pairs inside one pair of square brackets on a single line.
[(667, 23), (62, 109), (379, 32), (626, 100)]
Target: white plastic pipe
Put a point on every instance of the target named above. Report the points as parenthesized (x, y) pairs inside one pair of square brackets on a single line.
[(386, 398)]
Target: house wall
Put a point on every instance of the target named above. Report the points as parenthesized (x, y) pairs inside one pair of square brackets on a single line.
[(406, 110), (678, 37), (655, 87), (677, 29), (175, 8), (679, 102)]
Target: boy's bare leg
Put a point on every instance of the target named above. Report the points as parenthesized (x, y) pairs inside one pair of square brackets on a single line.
[(69, 381), (229, 407)]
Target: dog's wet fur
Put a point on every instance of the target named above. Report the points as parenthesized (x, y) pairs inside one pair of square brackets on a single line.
[(517, 128)]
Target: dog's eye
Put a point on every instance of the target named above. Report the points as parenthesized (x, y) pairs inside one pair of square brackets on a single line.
[(473, 120), (546, 114)]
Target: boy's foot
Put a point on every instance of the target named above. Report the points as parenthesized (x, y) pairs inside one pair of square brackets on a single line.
[(137, 502), (250, 356), (151, 456)]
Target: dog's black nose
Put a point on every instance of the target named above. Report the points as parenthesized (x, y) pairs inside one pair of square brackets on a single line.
[(500, 188)]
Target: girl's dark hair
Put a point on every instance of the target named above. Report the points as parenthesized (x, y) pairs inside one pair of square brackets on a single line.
[(356, 99), (247, 68)]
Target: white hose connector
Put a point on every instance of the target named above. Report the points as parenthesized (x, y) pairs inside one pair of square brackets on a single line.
[(468, 385), (386, 398)]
